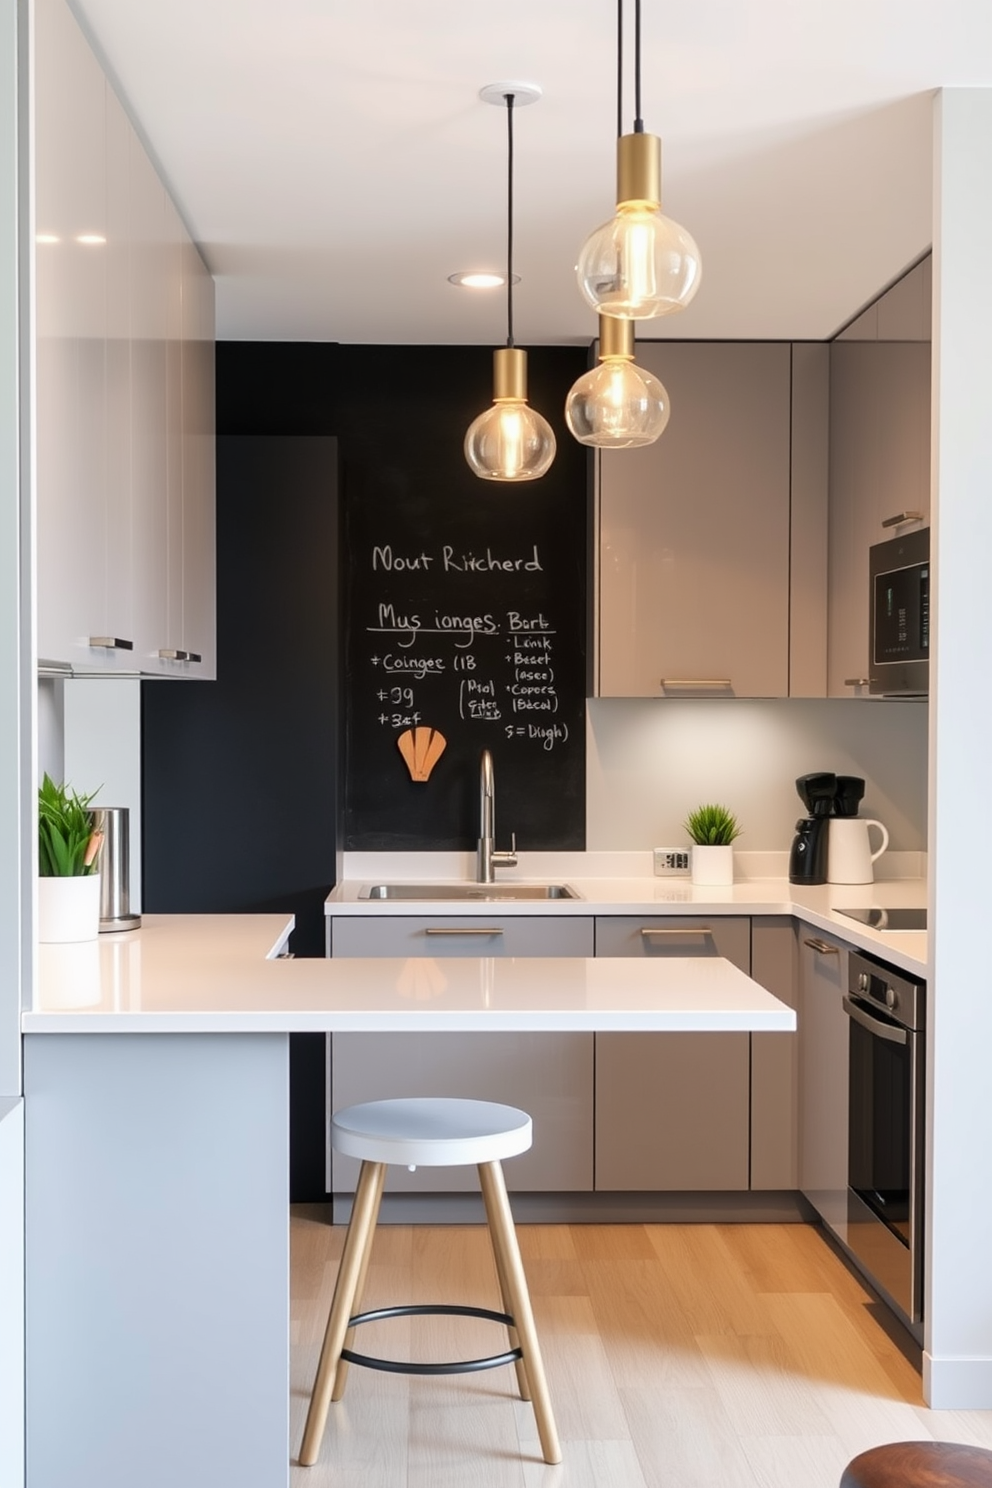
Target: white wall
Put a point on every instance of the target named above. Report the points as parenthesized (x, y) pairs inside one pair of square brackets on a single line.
[(102, 751), (651, 761), (958, 1356)]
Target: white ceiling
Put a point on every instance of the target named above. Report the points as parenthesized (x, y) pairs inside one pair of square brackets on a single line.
[(334, 162)]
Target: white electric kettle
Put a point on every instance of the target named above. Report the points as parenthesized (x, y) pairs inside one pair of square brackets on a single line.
[(849, 854)]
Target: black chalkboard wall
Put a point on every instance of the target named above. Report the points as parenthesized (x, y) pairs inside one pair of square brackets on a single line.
[(465, 613), (400, 413)]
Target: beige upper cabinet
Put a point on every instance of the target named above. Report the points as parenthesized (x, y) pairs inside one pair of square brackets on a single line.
[(879, 457), (694, 531), (124, 399)]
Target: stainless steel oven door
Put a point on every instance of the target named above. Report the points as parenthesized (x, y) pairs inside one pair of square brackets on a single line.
[(885, 1153)]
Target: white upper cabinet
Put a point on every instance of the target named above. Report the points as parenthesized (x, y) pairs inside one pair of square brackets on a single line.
[(124, 406), (695, 531)]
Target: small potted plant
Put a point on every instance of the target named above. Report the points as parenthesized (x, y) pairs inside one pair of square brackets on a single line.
[(713, 829), (69, 843)]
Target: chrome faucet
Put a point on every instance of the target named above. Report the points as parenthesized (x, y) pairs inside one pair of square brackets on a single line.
[(489, 858)]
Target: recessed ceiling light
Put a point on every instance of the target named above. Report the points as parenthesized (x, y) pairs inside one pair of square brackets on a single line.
[(477, 280), (89, 238), (47, 238)]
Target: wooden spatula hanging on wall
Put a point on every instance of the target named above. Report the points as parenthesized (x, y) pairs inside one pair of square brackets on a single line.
[(421, 748)]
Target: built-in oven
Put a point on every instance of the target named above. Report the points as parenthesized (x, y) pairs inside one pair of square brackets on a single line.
[(899, 601), (886, 1013)]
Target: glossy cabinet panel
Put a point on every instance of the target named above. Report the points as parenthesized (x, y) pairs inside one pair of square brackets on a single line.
[(125, 413), (775, 1061), (823, 1074), (549, 1075), (879, 458), (694, 531), (672, 1109)]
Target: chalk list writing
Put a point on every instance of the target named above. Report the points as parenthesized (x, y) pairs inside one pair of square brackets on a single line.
[(465, 618)]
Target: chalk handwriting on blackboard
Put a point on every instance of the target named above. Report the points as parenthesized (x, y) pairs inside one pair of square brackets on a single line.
[(386, 561), (514, 674)]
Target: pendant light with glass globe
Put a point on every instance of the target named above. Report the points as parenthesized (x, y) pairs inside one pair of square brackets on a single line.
[(510, 441), (617, 405), (640, 264)]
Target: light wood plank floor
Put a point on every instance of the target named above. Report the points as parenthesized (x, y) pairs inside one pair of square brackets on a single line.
[(679, 1356)]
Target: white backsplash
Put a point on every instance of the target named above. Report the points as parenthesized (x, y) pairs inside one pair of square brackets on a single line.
[(650, 762)]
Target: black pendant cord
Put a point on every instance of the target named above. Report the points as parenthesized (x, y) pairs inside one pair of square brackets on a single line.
[(619, 68), (638, 121), (509, 219)]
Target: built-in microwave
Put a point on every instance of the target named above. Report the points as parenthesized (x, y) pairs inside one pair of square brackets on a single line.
[(899, 634)]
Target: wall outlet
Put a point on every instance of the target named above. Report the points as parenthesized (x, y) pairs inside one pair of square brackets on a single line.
[(669, 864)]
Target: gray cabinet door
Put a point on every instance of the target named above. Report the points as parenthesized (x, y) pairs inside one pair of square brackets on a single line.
[(549, 1075), (823, 1074), (489, 934), (694, 531), (879, 457), (775, 1061), (672, 1108)]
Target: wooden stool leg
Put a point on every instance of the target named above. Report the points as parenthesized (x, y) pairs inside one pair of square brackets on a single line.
[(521, 1368), (505, 1239), (355, 1245), (341, 1377)]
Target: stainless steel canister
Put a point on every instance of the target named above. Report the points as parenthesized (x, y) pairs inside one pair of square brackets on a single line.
[(115, 869)]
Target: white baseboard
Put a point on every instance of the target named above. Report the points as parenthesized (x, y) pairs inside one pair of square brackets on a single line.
[(957, 1383)]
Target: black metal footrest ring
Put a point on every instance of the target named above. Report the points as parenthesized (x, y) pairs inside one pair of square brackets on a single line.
[(458, 1366)]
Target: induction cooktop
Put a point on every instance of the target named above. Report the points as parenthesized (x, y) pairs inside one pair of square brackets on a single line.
[(888, 919)]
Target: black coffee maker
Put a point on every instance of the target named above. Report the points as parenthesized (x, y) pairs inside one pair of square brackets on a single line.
[(808, 858)]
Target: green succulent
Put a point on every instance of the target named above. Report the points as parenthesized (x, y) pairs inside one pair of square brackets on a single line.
[(712, 826), (68, 846)]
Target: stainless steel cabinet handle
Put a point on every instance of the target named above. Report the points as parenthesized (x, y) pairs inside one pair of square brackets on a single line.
[(170, 654), (650, 930), (193, 656), (464, 930), (112, 643), (856, 681), (874, 1025), (713, 682), (53, 668), (900, 517), (822, 947)]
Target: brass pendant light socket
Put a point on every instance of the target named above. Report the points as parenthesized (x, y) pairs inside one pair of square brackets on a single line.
[(509, 374), (616, 338), (639, 170)]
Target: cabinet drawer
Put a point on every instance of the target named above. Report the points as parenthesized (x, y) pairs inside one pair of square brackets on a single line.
[(676, 935), (548, 1075), (461, 935)]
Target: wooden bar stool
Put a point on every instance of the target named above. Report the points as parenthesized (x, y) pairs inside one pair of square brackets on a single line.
[(922, 1464), (429, 1133)]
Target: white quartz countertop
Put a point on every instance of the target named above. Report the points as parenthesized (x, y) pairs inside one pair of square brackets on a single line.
[(218, 974), (641, 894)]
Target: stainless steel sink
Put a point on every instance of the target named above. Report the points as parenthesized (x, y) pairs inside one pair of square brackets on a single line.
[(471, 892)]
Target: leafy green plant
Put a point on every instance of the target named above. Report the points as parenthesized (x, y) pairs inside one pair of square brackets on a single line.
[(68, 846), (712, 826)]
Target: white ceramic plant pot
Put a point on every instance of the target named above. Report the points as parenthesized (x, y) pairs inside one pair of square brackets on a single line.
[(68, 909), (712, 865)]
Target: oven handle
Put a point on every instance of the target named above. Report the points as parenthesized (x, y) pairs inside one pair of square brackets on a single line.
[(880, 1030)]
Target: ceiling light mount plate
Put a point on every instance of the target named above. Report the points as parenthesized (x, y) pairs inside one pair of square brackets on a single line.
[(523, 93)]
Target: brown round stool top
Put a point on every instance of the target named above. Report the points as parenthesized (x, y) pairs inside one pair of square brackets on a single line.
[(922, 1464)]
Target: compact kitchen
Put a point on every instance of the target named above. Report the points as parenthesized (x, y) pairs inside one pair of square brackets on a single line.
[(424, 752)]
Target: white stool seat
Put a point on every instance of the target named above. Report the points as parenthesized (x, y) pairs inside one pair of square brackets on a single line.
[(431, 1132)]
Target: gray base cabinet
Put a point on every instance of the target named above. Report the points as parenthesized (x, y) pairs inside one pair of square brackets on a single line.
[(549, 1075), (775, 1061), (672, 1109), (823, 1074)]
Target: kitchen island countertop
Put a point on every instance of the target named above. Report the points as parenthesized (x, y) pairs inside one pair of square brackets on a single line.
[(224, 974)]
